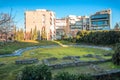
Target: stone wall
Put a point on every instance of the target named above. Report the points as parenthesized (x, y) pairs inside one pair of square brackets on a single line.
[(76, 62), (1, 63), (100, 72), (27, 61), (108, 75)]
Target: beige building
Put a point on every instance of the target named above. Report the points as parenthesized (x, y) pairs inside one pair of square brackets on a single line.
[(43, 20), (61, 27)]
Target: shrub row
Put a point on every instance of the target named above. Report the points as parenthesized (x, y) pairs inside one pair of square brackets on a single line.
[(43, 72), (116, 55), (68, 76), (98, 37)]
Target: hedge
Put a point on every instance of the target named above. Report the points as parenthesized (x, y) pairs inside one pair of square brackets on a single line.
[(116, 55), (68, 76), (39, 72), (43, 72), (98, 37)]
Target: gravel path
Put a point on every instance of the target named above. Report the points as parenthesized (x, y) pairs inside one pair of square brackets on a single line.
[(89, 46), (20, 51)]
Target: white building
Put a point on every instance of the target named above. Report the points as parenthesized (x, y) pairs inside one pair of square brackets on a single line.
[(78, 23)]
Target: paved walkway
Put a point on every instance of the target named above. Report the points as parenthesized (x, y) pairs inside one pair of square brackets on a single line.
[(20, 51), (79, 45), (61, 44)]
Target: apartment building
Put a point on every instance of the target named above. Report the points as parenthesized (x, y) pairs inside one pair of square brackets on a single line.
[(50, 28), (61, 27), (43, 20), (101, 20), (78, 23)]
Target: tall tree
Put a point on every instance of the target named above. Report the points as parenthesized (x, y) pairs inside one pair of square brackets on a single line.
[(117, 26), (19, 35), (43, 34), (35, 35), (30, 34)]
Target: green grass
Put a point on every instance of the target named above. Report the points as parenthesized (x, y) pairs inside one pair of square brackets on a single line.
[(86, 69), (65, 42), (88, 59), (60, 61), (60, 52), (107, 57), (74, 70), (10, 70), (108, 66), (95, 59), (10, 47)]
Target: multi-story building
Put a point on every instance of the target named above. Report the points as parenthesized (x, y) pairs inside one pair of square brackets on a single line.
[(43, 20), (78, 23), (61, 27), (48, 27), (101, 20)]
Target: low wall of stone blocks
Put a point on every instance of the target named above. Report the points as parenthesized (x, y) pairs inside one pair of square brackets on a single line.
[(27, 61)]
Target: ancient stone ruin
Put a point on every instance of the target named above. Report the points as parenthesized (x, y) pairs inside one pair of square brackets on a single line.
[(76, 62), (27, 61), (1, 63), (96, 68), (107, 54)]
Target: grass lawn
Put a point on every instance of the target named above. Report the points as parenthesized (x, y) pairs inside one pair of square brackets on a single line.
[(86, 69), (108, 66), (60, 61), (74, 70), (88, 59), (10, 70), (10, 47), (60, 52), (65, 42)]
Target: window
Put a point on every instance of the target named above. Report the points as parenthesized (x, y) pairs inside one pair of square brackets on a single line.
[(43, 19), (99, 23), (100, 16)]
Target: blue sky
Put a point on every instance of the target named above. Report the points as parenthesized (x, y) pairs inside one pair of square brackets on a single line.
[(62, 8)]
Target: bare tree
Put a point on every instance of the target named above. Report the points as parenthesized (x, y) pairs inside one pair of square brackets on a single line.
[(117, 26), (6, 25)]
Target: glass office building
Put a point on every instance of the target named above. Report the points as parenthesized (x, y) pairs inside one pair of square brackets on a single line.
[(101, 20)]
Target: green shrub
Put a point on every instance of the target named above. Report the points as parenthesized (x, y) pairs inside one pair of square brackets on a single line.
[(116, 55), (65, 76), (84, 77), (68, 76), (98, 37), (41, 72)]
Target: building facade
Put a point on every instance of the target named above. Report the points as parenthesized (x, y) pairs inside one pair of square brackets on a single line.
[(61, 27), (101, 20), (43, 21), (78, 23), (50, 28)]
